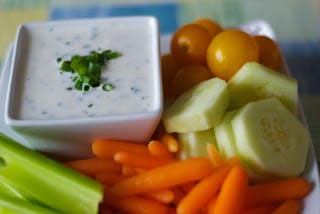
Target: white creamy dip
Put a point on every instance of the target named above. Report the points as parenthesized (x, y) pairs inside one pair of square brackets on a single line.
[(44, 89)]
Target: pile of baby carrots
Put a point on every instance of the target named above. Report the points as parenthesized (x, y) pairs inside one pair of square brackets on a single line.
[(148, 178)]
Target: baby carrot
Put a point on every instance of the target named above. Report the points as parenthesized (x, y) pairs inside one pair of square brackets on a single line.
[(277, 191), (214, 155), (288, 207), (166, 176), (211, 204), (135, 204), (165, 196), (171, 142), (130, 171), (105, 148), (156, 148), (263, 209), (109, 178), (93, 166), (202, 192), (178, 195), (187, 186), (140, 160), (231, 196)]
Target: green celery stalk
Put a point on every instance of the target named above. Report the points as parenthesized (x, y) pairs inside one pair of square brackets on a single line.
[(47, 182), (14, 205), (8, 190), (12, 202)]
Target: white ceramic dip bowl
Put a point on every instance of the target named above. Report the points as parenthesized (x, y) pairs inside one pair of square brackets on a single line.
[(43, 103)]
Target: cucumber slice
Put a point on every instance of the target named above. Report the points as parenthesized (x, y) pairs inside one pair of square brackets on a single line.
[(198, 109), (194, 144), (227, 145), (271, 139), (255, 81), (224, 135)]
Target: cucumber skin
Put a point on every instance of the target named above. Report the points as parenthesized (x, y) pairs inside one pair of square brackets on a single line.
[(198, 109), (255, 81), (194, 144), (225, 137), (280, 160), (227, 146)]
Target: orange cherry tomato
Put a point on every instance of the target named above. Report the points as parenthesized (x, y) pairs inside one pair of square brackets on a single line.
[(269, 52), (187, 77), (168, 70), (212, 26), (189, 45), (229, 50)]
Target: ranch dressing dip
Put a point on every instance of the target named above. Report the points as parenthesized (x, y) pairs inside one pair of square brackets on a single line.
[(45, 90)]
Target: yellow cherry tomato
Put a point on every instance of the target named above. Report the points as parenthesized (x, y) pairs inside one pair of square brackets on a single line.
[(212, 26), (229, 50), (269, 52), (168, 70), (187, 77), (189, 45)]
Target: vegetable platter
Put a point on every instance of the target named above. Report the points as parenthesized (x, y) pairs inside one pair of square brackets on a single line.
[(176, 169), (261, 27)]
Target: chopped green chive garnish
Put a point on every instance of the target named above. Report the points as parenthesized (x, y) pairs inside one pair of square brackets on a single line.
[(87, 69), (107, 87)]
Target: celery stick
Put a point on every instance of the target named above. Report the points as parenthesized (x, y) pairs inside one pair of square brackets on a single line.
[(13, 205), (47, 182), (8, 190)]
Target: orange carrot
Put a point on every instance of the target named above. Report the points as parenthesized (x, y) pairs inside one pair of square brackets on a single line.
[(187, 186), (165, 196), (263, 209), (231, 197), (141, 161), (277, 191), (214, 155), (165, 176), (93, 166), (178, 195), (156, 148), (171, 142), (109, 178), (202, 192), (135, 204), (288, 207), (172, 211), (104, 148), (211, 204), (130, 171)]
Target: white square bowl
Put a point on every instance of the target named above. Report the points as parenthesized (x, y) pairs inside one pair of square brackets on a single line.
[(40, 106)]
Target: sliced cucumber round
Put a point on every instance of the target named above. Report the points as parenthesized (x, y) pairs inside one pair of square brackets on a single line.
[(227, 145), (194, 144), (255, 81), (198, 109), (270, 139), (224, 135)]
